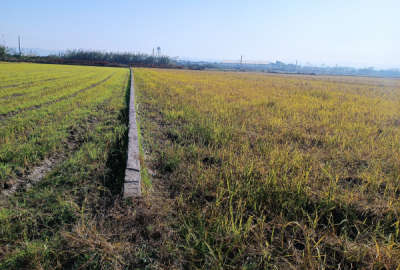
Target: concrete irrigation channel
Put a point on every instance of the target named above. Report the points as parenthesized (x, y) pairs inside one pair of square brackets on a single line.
[(132, 171)]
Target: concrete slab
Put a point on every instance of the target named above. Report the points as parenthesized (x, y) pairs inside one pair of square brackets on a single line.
[(132, 185)]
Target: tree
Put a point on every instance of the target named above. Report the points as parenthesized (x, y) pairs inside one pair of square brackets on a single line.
[(120, 58), (2, 51)]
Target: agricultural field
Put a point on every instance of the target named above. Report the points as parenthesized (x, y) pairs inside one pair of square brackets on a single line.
[(41, 107), (274, 171), (239, 170), (65, 126)]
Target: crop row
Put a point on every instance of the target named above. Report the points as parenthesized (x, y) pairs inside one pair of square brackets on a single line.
[(15, 75), (50, 91), (29, 86), (30, 136), (87, 131), (48, 99)]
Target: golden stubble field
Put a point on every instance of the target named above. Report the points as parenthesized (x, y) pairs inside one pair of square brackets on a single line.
[(277, 171)]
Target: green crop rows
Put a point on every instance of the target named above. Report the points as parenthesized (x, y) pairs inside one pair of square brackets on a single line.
[(72, 119), (41, 104)]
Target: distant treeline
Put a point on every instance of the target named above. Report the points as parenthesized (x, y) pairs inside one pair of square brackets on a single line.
[(134, 59), (91, 57), (280, 67), (117, 59)]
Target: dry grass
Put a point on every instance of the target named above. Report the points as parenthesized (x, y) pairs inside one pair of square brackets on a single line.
[(277, 171)]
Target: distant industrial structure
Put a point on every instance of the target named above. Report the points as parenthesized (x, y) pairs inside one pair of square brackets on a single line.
[(281, 67)]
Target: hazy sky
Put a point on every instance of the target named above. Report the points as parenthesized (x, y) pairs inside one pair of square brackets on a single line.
[(344, 32)]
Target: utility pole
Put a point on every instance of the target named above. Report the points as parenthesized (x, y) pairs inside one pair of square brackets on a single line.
[(19, 45), (153, 58)]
